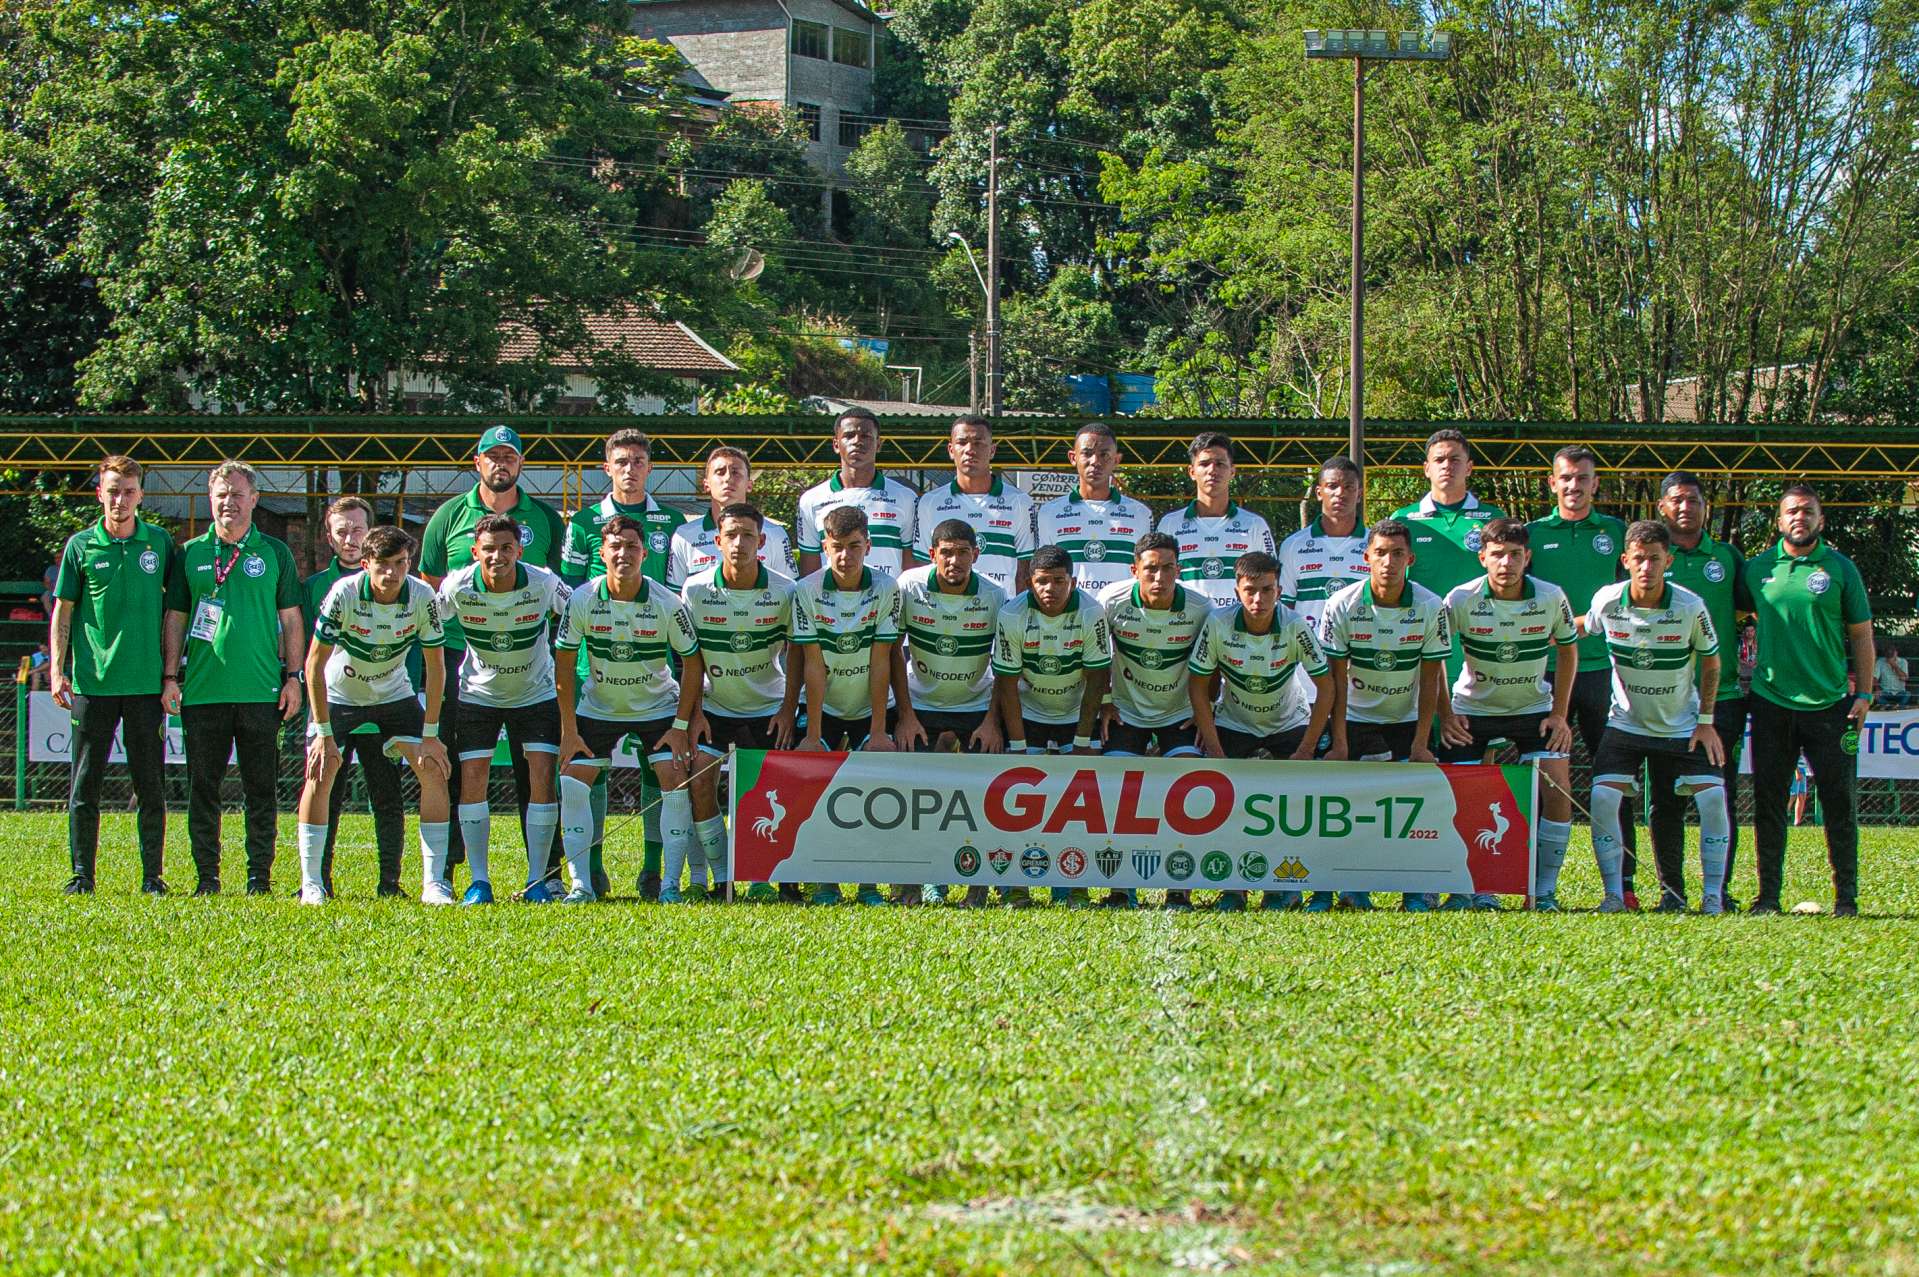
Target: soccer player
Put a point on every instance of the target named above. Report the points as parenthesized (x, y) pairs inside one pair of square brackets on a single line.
[(1578, 549), (1715, 571), (628, 464), (742, 613), (1000, 514), (1386, 641), (846, 624), (356, 676), (728, 481), (1155, 623), (625, 625), (233, 613), (109, 602), (1256, 645), (948, 615), (346, 524), (503, 606), (1211, 532), (1656, 634), (1096, 524), (891, 508), (1511, 627), (447, 545), (1447, 524), (1051, 658), (1812, 613)]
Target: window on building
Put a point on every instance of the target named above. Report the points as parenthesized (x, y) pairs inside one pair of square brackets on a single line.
[(810, 117), (854, 128), (810, 39), (853, 48)]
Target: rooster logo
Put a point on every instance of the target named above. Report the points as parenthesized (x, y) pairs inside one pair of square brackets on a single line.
[(1489, 839), (768, 825)]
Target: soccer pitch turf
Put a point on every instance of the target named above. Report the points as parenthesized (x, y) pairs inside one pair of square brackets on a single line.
[(376, 1086)]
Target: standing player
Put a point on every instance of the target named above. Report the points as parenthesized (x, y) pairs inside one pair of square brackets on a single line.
[(1256, 645), (742, 613), (628, 463), (846, 620), (233, 612), (1447, 524), (1386, 641), (1512, 627), (356, 676), (109, 604), (1155, 622), (1578, 549), (728, 481), (503, 607), (889, 505), (1715, 571), (1051, 658), (1000, 514), (1211, 532), (1096, 524), (625, 626), (1656, 633), (948, 616)]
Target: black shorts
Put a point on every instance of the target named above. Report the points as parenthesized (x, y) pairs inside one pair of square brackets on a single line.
[(1245, 744), (850, 733), (1521, 729), (737, 733), (1173, 740), (531, 729), (1041, 737), (937, 722), (603, 737), (392, 721), (1379, 742), (1673, 764)]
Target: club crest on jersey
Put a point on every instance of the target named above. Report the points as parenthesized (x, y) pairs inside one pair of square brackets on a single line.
[(946, 644), (847, 643), (656, 541), (254, 565), (1642, 658), (1819, 582), (502, 642), (149, 562), (1387, 658), (620, 651), (741, 641), (1508, 652), (1256, 684), (1474, 540), (1213, 568), (1047, 664), (1094, 551), (1602, 543)]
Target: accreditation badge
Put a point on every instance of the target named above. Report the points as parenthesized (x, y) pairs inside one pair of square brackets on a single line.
[(206, 619)]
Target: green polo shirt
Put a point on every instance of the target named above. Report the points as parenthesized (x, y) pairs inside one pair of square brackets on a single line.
[(580, 560), (1580, 557), (118, 588), (1716, 572), (1446, 551), (241, 663), (1802, 605), (447, 544)]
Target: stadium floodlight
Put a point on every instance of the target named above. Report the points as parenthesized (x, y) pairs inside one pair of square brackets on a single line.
[(1361, 46)]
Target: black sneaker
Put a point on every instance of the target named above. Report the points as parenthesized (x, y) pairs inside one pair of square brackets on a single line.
[(650, 887), (1845, 909), (154, 887), (1764, 908), (388, 891), (206, 888), (78, 887), (259, 888), (1670, 903)]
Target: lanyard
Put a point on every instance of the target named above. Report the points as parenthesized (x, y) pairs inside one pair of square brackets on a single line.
[(221, 573)]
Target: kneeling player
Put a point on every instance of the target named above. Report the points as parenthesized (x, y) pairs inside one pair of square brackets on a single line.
[(1386, 640), (1510, 625), (1656, 632), (503, 606), (627, 624), (1256, 645), (356, 676), (1051, 657)]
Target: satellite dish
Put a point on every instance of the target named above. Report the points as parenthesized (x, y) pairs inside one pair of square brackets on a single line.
[(747, 265)]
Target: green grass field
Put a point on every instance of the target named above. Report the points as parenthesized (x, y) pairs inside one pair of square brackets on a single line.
[(233, 1084)]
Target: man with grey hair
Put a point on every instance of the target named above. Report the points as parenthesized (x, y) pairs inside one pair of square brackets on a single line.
[(233, 614)]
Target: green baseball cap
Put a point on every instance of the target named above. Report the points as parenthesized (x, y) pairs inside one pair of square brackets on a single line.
[(498, 437)]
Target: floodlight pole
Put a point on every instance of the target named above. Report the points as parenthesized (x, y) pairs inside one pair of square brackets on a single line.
[(1356, 390)]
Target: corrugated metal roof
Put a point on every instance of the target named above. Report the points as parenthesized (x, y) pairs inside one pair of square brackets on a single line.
[(667, 345)]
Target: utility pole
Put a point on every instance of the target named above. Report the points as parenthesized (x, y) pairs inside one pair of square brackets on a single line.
[(992, 274), (972, 370)]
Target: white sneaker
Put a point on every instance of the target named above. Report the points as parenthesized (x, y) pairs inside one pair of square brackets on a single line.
[(436, 893), (312, 893), (1613, 904)]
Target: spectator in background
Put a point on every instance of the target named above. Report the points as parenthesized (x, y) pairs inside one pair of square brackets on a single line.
[(47, 579), (1889, 674)]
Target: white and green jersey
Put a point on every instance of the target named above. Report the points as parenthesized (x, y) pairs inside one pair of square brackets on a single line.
[(843, 626), (1510, 646), (1209, 546), (742, 637), (1384, 648), (1258, 691), (370, 639), (1001, 517), (696, 548), (629, 677), (1098, 535), (509, 660), (1050, 655), (1151, 650), (1653, 650), (949, 641), (891, 508)]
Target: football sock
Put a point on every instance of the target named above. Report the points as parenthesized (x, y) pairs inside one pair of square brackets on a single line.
[(1606, 849), (1553, 837), (1715, 840), (576, 829), (595, 858), (433, 851), (676, 829), (650, 797), (475, 824), (542, 821), (312, 854), (712, 837)]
